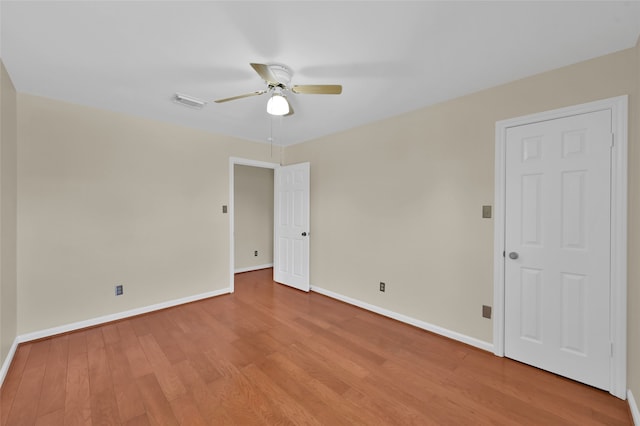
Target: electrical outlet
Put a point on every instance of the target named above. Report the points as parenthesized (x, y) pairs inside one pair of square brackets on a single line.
[(119, 290), (486, 311), (255, 253), (382, 286)]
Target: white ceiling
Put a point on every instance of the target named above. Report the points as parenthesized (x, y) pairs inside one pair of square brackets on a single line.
[(391, 57)]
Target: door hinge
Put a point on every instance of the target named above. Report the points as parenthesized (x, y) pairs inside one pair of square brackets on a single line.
[(612, 349), (504, 253), (613, 139)]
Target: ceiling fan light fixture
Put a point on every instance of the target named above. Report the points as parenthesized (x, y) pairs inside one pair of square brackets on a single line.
[(278, 105)]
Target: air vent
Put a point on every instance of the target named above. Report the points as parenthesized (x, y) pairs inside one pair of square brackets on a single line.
[(188, 101)]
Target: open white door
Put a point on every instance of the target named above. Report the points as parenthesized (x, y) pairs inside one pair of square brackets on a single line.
[(291, 230)]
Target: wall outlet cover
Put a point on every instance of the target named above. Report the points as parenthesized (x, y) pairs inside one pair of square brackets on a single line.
[(486, 311)]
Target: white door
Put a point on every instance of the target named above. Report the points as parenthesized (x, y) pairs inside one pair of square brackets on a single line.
[(557, 241), (291, 236)]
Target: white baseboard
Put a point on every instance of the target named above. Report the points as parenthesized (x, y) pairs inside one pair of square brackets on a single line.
[(408, 320), (98, 321), (253, 268), (117, 316), (635, 413), (7, 361)]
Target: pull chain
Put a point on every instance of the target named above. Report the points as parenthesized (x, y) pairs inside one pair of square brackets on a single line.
[(271, 134)]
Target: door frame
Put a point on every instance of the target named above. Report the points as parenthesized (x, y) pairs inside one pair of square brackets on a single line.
[(232, 163), (618, 274)]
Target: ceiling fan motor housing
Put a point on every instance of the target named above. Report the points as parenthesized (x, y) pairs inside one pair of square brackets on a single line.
[(282, 73)]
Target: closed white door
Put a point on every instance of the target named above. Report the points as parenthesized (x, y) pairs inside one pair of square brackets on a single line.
[(291, 233), (557, 241)]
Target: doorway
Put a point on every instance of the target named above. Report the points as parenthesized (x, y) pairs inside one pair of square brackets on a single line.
[(291, 191), (233, 162), (253, 218), (560, 242)]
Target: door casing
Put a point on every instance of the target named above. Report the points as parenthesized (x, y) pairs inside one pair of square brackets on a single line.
[(619, 114)]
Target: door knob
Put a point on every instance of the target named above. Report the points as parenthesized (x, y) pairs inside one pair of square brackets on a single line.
[(304, 234), (513, 255)]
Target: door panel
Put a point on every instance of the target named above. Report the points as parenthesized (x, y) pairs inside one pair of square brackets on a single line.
[(530, 305), (557, 240)]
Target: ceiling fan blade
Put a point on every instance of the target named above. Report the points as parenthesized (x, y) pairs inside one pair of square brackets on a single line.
[(318, 89), (265, 72), (246, 95)]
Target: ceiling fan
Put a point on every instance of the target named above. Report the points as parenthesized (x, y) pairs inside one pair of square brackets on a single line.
[(278, 79)]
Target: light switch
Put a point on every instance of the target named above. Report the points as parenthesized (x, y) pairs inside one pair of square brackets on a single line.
[(224, 209), (486, 212)]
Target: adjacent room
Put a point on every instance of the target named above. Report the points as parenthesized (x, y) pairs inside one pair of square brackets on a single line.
[(319, 212)]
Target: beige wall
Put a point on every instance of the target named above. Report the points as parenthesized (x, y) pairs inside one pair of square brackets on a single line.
[(110, 199), (400, 200), (8, 195), (253, 216)]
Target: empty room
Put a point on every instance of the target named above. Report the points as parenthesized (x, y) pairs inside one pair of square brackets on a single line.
[(319, 212)]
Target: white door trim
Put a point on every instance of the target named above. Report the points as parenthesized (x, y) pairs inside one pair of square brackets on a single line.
[(620, 116), (243, 162)]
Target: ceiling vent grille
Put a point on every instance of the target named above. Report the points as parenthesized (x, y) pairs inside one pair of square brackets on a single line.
[(188, 101)]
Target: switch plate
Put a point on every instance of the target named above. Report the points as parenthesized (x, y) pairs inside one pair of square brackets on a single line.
[(119, 290), (224, 209), (382, 286), (486, 212)]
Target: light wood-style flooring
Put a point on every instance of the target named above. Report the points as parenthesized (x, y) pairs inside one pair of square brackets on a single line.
[(271, 355)]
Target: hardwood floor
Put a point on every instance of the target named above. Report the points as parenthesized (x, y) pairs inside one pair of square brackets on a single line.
[(271, 355)]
